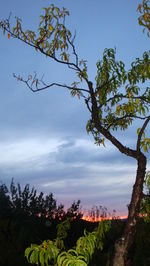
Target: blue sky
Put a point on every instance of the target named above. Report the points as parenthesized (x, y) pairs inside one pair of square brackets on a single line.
[(43, 140)]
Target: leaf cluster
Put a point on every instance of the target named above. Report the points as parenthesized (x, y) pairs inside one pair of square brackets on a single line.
[(51, 36), (145, 141), (48, 252), (144, 18), (120, 95), (145, 203)]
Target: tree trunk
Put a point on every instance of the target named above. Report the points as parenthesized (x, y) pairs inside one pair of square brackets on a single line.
[(122, 246)]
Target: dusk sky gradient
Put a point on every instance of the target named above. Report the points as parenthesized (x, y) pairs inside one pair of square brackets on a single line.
[(43, 139)]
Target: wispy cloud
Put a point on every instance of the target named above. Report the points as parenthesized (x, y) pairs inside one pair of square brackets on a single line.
[(71, 169)]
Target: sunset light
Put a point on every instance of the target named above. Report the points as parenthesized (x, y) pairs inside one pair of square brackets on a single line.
[(95, 220), (75, 133)]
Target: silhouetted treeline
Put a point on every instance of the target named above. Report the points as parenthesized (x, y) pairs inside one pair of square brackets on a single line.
[(29, 217), (30, 203)]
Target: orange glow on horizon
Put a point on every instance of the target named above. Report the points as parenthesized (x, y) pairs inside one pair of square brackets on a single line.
[(94, 219)]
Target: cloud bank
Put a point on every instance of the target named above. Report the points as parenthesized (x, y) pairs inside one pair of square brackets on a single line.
[(71, 169)]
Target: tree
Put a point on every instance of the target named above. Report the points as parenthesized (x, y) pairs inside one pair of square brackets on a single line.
[(118, 99), (28, 202), (53, 252), (145, 203), (27, 216), (5, 204)]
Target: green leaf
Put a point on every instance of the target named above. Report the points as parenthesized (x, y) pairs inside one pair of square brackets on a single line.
[(28, 252), (41, 257)]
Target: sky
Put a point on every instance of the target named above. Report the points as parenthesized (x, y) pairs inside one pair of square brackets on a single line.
[(43, 139)]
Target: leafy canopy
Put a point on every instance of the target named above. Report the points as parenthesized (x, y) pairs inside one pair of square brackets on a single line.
[(120, 95)]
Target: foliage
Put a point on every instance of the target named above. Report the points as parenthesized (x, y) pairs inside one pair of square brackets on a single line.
[(74, 210), (48, 253), (144, 19), (118, 98), (145, 204), (5, 205), (140, 253), (97, 213), (31, 203), (62, 229), (17, 232), (51, 33), (23, 221), (53, 39), (118, 110), (43, 254)]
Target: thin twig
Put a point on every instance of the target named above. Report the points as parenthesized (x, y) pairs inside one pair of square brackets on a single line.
[(36, 82)]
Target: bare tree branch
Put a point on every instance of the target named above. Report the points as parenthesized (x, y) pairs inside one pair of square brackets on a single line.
[(87, 104), (33, 84), (73, 48)]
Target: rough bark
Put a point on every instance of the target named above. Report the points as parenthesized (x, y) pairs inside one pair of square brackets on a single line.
[(122, 246)]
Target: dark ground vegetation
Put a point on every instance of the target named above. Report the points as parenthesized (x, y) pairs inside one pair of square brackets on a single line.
[(20, 226)]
